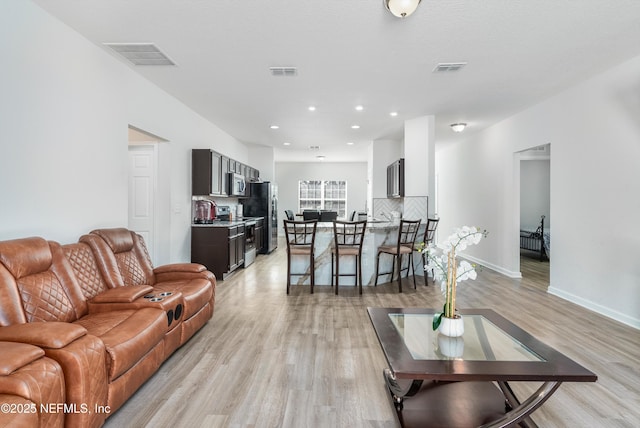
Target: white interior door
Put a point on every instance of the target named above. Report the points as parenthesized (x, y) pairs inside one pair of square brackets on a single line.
[(142, 189)]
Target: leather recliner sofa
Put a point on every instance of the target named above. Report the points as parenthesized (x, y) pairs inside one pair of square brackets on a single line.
[(108, 333)]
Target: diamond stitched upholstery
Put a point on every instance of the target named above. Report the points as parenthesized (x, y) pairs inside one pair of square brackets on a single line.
[(130, 269), (86, 269), (45, 299)]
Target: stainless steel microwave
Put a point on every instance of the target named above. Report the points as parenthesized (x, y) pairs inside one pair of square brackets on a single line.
[(237, 185)]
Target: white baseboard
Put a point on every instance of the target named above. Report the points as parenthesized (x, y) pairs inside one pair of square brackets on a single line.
[(596, 307), (499, 269)]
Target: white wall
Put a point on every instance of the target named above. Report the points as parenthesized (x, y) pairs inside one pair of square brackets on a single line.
[(289, 173), (535, 193), (65, 109), (595, 180)]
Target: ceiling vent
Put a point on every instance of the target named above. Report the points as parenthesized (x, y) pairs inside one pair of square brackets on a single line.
[(141, 53), (314, 147), (449, 66), (283, 71)]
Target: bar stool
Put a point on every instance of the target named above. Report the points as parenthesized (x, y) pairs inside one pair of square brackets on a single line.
[(406, 240), (348, 237), (300, 236), (429, 234)]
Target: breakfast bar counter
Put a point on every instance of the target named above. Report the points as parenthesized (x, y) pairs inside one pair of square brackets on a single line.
[(377, 234)]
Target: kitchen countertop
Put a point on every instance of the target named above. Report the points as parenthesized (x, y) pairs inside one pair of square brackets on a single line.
[(225, 223)]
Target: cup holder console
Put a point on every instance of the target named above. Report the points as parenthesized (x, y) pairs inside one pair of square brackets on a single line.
[(172, 314)]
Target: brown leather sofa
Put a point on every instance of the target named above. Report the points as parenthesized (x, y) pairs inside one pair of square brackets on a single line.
[(29, 381), (101, 311)]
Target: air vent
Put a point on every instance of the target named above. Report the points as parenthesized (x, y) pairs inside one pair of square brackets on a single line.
[(283, 71), (314, 147), (449, 66), (141, 53)]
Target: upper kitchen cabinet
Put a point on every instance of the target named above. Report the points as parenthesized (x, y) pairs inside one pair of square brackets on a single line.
[(205, 172), (395, 179), (209, 172)]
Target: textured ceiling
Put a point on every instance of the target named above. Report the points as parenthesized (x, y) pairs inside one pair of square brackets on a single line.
[(355, 52)]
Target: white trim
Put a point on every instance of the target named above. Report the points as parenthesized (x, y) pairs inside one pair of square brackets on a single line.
[(596, 307), (499, 269)]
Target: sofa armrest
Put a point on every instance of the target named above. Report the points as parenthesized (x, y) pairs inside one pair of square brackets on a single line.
[(180, 267), (52, 335), (122, 294), (16, 355)]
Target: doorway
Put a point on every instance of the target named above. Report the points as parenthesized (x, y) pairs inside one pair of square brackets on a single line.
[(535, 214), (143, 187)]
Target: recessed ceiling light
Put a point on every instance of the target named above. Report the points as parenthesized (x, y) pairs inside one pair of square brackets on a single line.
[(321, 157), (350, 143), (393, 114), (274, 127), (355, 126), (312, 108), (286, 144), (359, 108)]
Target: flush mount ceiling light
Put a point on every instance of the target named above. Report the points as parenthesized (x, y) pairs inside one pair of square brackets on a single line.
[(458, 127), (355, 126), (312, 108), (286, 143), (359, 108), (274, 127), (393, 114), (321, 157), (401, 8)]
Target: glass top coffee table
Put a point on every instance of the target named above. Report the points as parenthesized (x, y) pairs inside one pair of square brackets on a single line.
[(439, 381)]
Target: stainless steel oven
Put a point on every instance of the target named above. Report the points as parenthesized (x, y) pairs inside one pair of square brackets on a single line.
[(250, 242)]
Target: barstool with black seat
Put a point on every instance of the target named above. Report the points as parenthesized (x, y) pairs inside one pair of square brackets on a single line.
[(348, 237), (327, 216), (407, 233), (300, 236), (289, 214), (429, 234)]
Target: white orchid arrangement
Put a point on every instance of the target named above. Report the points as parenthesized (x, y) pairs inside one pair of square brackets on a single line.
[(442, 259)]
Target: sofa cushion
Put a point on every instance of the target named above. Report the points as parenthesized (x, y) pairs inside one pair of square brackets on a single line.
[(24, 257), (127, 335), (85, 269)]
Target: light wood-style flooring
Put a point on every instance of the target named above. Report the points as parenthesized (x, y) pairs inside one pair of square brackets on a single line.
[(266, 359)]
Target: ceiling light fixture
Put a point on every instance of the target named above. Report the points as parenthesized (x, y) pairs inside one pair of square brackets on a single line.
[(274, 127), (312, 108), (286, 144), (320, 157), (401, 8), (355, 126), (458, 127), (359, 108), (350, 143), (393, 114)]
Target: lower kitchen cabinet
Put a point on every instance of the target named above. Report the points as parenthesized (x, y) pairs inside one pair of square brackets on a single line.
[(220, 248), (259, 235)]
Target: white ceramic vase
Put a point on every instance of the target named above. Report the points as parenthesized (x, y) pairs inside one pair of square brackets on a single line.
[(452, 327), (452, 347)]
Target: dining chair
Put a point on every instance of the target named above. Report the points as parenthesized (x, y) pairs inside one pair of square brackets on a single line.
[(407, 233), (327, 216), (348, 239), (353, 215), (311, 215), (300, 236), (289, 215), (429, 234)]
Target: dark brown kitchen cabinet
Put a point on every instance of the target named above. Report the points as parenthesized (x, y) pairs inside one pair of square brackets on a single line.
[(206, 173), (220, 249), (224, 178), (395, 179)]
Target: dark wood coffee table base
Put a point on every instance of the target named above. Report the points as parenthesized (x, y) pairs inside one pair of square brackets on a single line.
[(450, 405)]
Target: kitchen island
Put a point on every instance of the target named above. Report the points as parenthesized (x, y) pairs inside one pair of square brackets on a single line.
[(377, 234)]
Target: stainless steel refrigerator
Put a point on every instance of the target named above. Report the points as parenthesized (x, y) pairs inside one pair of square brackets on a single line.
[(263, 202)]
